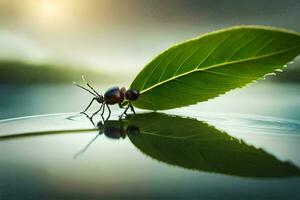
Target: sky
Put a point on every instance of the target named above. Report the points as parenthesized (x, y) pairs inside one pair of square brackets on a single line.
[(121, 36)]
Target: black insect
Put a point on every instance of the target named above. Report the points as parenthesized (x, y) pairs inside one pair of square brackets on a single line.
[(112, 96)]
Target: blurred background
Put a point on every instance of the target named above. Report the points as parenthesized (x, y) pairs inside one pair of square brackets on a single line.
[(46, 44)]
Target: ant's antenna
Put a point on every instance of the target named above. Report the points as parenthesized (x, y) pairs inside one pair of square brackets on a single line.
[(90, 86), (84, 88)]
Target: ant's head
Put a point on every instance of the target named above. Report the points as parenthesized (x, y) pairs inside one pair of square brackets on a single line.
[(132, 94)]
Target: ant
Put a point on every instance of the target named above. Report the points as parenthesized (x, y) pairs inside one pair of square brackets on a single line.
[(112, 96)]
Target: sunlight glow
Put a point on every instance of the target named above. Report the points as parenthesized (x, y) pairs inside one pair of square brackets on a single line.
[(49, 10), (50, 13)]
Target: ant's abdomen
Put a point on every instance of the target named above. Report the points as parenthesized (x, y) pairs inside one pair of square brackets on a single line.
[(113, 96)]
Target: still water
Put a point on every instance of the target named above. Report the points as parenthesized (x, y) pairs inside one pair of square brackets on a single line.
[(244, 145)]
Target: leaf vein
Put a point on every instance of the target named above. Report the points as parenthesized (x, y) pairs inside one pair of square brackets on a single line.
[(189, 46), (241, 47), (266, 45), (233, 76), (193, 53), (154, 68), (214, 50)]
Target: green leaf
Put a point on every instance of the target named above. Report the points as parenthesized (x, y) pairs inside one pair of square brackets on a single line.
[(213, 64), (192, 144)]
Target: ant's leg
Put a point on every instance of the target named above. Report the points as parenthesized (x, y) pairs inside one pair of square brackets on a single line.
[(91, 118), (120, 105), (131, 107), (103, 104), (124, 113), (102, 118), (89, 105), (109, 112), (87, 116)]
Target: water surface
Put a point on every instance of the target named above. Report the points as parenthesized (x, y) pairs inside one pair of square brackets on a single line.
[(245, 146)]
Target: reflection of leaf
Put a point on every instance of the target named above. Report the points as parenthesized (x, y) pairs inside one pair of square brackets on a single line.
[(196, 145), (205, 67)]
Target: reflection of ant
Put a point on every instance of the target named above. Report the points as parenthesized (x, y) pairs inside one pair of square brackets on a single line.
[(114, 129)]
